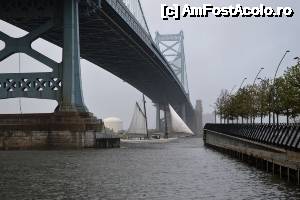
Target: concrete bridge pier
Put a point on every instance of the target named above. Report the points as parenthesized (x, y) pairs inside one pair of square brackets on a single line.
[(158, 119), (167, 121), (163, 122)]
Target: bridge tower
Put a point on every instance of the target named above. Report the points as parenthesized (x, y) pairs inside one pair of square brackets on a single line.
[(172, 48)]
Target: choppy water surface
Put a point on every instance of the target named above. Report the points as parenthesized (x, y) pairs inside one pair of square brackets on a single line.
[(182, 169)]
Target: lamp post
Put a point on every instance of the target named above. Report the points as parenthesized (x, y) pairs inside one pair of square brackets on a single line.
[(241, 88), (265, 81), (286, 52), (260, 70), (243, 83), (273, 88), (261, 114)]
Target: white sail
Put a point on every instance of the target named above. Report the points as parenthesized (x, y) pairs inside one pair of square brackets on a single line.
[(138, 122), (177, 124)]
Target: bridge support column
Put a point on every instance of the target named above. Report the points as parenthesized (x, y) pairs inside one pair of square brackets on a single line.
[(167, 121), (158, 121), (183, 113), (71, 99)]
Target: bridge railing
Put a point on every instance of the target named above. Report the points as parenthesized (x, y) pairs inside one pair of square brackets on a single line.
[(282, 135), (135, 8), (124, 11)]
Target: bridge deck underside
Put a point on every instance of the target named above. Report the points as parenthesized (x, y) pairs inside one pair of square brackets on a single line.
[(108, 41)]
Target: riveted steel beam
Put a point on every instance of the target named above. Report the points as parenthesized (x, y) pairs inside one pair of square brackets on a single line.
[(30, 85)]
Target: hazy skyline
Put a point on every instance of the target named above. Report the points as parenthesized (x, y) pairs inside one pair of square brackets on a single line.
[(220, 52)]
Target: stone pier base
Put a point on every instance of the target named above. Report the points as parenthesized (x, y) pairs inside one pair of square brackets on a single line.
[(26, 140), (49, 131)]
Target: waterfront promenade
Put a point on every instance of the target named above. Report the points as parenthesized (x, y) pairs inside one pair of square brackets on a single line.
[(273, 148)]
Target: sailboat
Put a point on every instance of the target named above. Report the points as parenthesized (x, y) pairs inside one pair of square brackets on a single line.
[(178, 127), (138, 125), (175, 126)]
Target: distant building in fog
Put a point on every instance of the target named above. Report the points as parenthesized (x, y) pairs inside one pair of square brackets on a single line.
[(113, 123), (199, 120)]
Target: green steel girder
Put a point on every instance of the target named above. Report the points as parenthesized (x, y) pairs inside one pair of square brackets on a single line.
[(63, 84), (30, 85), (23, 45)]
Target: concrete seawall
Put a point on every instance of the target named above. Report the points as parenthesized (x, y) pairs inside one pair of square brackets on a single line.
[(53, 131), (279, 161), (24, 140)]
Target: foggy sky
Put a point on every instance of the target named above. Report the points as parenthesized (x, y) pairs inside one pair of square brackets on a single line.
[(220, 52)]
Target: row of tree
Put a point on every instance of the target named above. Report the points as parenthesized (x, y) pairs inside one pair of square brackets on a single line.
[(272, 98)]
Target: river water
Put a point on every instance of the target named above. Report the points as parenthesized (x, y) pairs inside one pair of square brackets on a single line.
[(182, 169)]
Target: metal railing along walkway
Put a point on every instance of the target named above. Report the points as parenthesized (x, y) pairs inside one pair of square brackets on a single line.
[(282, 135)]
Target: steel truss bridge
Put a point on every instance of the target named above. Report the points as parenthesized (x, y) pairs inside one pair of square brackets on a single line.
[(112, 34)]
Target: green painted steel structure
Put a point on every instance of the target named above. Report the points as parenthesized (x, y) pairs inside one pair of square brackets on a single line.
[(108, 33), (63, 84)]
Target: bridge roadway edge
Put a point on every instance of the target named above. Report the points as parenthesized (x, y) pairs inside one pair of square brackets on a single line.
[(278, 161)]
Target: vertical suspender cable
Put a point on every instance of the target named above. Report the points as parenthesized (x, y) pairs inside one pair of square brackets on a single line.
[(20, 101)]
